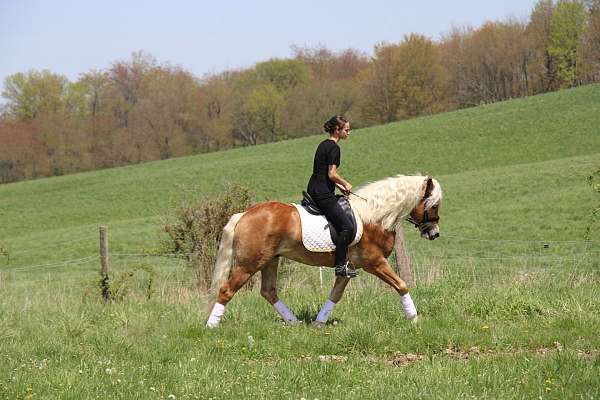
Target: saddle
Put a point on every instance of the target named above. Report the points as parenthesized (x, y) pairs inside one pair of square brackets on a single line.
[(312, 208)]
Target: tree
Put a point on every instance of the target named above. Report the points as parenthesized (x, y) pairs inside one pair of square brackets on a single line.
[(32, 93), (452, 53), (308, 107), (420, 85), (23, 154), (96, 88), (54, 107), (282, 74), (590, 71), (259, 116), (404, 80), (126, 78), (333, 89), (165, 109), (539, 31), (98, 116), (488, 64), (215, 102), (566, 39), (325, 65), (379, 104), (260, 97)]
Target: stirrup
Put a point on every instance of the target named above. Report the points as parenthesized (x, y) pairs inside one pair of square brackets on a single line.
[(345, 270)]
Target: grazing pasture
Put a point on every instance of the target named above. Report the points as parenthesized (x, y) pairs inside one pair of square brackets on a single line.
[(509, 295)]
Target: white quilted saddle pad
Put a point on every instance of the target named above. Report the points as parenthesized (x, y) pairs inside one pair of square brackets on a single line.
[(315, 231)]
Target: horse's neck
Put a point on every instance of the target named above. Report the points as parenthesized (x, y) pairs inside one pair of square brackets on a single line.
[(388, 201)]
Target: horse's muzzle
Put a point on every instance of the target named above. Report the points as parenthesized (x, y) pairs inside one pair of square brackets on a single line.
[(431, 234)]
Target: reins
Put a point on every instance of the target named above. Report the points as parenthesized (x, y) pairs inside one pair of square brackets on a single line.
[(426, 219), (409, 218), (349, 192), (360, 197)]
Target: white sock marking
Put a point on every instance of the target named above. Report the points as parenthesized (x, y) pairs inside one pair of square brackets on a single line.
[(215, 315), (287, 314), (409, 307), (325, 311)]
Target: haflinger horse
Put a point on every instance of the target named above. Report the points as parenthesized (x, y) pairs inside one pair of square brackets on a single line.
[(254, 241)]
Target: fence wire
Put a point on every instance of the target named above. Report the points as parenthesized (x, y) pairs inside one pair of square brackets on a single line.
[(484, 252), (57, 264)]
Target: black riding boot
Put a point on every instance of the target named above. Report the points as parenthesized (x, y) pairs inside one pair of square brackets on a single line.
[(342, 265)]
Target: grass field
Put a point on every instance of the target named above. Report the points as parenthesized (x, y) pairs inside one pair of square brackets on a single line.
[(509, 295)]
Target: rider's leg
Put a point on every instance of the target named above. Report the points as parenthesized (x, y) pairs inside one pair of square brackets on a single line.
[(336, 216)]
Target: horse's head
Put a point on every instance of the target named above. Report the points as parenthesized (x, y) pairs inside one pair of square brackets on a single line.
[(425, 214)]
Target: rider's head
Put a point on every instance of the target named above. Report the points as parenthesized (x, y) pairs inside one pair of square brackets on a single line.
[(337, 125)]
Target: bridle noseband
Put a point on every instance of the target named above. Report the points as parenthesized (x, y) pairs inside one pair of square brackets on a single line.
[(426, 220)]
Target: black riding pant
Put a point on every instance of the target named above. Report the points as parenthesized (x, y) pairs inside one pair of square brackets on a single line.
[(336, 216)]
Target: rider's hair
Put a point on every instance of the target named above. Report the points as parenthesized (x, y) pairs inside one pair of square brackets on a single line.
[(333, 123)]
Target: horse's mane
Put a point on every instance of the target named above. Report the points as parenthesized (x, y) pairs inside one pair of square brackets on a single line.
[(389, 200)]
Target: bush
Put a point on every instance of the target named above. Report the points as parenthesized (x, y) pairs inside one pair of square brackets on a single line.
[(594, 181), (4, 252), (194, 226)]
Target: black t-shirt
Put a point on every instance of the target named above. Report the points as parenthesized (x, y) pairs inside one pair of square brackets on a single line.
[(328, 153)]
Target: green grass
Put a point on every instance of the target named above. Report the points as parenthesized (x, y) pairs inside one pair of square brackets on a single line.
[(508, 295)]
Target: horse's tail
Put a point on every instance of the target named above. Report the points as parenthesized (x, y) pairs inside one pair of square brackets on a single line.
[(224, 260)]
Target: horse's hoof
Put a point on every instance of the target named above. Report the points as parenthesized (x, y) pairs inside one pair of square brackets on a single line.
[(414, 319), (293, 323), (318, 324)]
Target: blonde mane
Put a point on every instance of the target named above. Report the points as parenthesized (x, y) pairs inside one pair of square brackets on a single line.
[(388, 201)]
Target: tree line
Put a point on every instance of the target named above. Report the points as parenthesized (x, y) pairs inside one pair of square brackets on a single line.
[(140, 110)]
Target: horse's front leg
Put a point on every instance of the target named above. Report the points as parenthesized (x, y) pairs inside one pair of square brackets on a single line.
[(268, 291), (334, 297), (384, 272)]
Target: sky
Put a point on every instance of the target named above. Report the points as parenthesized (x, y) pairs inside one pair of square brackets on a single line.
[(205, 37)]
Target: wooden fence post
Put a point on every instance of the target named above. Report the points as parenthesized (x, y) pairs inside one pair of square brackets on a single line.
[(104, 261), (403, 259)]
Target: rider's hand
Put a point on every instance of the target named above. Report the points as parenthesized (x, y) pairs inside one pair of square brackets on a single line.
[(347, 188)]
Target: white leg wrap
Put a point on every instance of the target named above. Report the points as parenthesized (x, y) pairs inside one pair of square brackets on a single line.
[(287, 314), (409, 307), (215, 315), (325, 311)]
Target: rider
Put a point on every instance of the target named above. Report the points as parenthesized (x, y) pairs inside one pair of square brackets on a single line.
[(321, 187)]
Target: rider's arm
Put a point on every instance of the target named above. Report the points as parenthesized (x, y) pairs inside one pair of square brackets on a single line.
[(337, 179)]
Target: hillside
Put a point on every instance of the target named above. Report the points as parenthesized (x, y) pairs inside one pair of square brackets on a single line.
[(507, 296), (527, 157)]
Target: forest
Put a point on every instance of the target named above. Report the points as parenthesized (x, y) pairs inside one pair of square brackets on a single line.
[(142, 109)]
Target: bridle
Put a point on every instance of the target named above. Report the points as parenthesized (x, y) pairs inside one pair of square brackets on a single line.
[(427, 220)]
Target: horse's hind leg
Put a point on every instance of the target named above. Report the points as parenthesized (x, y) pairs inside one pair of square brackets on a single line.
[(334, 297), (268, 290), (239, 276), (384, 272)]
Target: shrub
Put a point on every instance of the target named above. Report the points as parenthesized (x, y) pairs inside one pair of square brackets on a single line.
[(116, 288), (194, 226), (4, 252), (594, 182)]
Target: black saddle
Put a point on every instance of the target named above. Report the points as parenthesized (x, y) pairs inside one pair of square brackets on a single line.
[(309, 205)]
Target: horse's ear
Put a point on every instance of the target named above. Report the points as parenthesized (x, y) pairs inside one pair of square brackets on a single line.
[(427, 187)]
